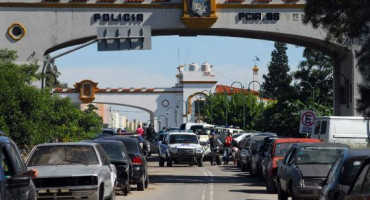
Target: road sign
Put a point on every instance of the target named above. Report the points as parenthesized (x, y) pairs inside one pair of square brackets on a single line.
[(307, 123), (124, 38)]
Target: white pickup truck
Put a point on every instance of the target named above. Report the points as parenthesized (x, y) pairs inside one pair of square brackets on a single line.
[(180, 147)]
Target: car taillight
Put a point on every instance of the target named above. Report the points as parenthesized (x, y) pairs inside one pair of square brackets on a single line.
[(137, 160)]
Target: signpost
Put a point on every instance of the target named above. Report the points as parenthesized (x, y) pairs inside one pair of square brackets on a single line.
[(307, 122)]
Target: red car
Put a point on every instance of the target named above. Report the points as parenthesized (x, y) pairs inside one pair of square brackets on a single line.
[(276, 154)]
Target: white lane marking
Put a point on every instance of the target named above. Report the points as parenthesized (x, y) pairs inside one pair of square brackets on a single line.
[(204, 192)]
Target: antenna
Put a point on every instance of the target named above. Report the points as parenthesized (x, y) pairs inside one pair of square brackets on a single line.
[(178, 56)]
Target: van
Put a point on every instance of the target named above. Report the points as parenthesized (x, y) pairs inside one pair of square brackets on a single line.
[(202, 130), (348, 130)]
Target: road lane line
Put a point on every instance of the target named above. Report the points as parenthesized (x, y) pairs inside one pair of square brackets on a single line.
[(204, 194), (211, 190)]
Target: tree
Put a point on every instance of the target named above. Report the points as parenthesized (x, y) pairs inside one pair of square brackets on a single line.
[(277, 81), (347, 23), (317, 69), (31, 115), (52, 74)]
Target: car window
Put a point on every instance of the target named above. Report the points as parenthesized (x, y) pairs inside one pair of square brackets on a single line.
[(63, 155), (178, 138), (282, 148), (19, 166), (288, 155), (292, 155), (334, 170), (350, 169), (6, 163), (103, 155), (323, 127), (309, 155), (317, 127), (357, 187), (114, 152), (131, 146)]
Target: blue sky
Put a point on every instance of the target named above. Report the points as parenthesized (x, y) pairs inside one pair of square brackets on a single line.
[(231, 57)]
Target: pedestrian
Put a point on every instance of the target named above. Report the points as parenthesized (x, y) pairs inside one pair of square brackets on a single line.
[(118, 131), (213, 145), (227, 147), (140, 131), (150, 132)]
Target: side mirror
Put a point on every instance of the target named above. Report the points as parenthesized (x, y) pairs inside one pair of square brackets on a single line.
[(18, 181)]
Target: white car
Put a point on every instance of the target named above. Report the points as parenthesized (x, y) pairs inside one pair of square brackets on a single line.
[(80, 170), (239, 136)]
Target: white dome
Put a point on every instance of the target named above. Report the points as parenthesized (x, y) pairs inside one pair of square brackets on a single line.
[(206, 67), (193, 67)]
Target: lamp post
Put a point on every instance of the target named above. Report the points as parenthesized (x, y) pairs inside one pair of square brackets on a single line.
[(312, 93), (186, 108), (211, 107), (346, 91), (225, 94), (167, 119), (175, 113), (261, 98), (242, 87)]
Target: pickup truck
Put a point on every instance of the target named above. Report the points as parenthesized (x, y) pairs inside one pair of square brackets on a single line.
[(180, 147)]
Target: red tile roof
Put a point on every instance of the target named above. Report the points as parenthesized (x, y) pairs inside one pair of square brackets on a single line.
[(220, 89)]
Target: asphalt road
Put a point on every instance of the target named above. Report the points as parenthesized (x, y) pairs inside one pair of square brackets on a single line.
[(181, 182)]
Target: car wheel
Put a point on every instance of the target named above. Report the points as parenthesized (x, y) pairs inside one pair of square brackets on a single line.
[(169, 161), (238, 163), (270, 185), (292, 193), (253, 171), (161, 161), (101, 192), (281, 194), (147, 182), (244, 167), (126, 189), (218, 160), (200, 162), (112, 195), (141, 185)]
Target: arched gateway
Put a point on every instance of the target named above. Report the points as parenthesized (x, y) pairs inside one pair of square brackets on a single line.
[(37, 27)]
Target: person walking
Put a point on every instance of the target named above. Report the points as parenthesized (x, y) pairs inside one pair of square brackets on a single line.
[(227, 148), (213, 145), (140, 131)]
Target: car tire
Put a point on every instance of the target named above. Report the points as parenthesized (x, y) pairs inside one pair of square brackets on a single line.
[(200, 162), (281, 194), (270, 185), (161, 161), (169, 161), (101, 192), (147, 182), (253, 172), (244, 167), (238, 163), (126, 188), (141, 185), (292, 193)]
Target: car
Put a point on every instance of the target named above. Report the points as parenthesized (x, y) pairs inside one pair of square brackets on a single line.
[(239, 136), (72, 170), (15, 183), (275, 155), (181, 147), (360, 188), (261, 152), (140, 175), (304, 169), (249, 149), (144, 144), (343, 173), (238, 151), (119, 157)]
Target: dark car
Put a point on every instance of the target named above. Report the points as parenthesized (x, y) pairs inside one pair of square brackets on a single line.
[(144, 144), (140, 171), (119, 157), (14, 182), (239, 150), (360, 189), (304, 169), (343, 174), (279, 148), (249, 149), (261, 152), (154, 142)]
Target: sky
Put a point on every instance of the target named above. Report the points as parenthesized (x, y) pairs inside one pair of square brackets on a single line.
[(232, 60)]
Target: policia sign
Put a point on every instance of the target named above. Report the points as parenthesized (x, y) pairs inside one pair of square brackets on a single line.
[(258, 16)]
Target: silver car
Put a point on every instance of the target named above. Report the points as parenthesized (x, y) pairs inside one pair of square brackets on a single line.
[(72, 170)]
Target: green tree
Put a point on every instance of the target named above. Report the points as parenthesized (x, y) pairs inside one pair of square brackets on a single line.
[(346, 22), (317, 69), (277, 81), (30, 115), (52, 74)]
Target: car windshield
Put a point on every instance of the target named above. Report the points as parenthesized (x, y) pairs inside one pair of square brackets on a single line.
[(63, 155), (131, 146), (282, 148), (191, 139), (350, 170), (317, 155), (115, 152)]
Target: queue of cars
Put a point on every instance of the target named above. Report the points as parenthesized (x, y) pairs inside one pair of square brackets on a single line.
[(306, 168)]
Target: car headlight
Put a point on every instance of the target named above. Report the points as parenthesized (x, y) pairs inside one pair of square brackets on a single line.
[(199, 150), (173, 150)]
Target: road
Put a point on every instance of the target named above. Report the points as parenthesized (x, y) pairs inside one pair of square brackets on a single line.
[(182, 182)]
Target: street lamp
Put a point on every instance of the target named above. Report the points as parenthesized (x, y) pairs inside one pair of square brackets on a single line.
[(209, 94), (261, 98), (159, 121), (175, 113), (242, 87), (312, 93), (186, 108)]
